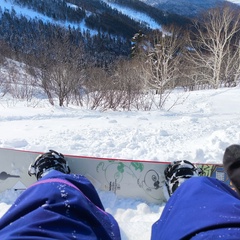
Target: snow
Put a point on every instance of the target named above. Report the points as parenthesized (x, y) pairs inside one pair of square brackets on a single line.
[(31, 14), (199, 129), (7, 5), (135, 15)]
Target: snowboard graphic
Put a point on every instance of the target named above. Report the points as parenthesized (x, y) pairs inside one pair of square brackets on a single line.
[(126, 178)]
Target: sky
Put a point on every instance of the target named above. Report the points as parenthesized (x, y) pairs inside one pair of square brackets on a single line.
[(198, 128)]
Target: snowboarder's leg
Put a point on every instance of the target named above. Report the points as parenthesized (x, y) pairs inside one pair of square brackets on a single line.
[(45, 163), (198, 205), (202, 207), (58, 206)]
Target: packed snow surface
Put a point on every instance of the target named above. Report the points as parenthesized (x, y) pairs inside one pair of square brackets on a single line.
[(198, 128)]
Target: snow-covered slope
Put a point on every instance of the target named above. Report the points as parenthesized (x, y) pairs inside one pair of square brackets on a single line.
[(186, 7), (198, 130), (138, 16), (31, 14)]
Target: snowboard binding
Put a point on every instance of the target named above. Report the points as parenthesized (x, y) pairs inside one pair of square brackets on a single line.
[(178, 172), (47, 161)]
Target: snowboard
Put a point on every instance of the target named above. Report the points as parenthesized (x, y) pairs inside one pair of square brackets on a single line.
[(138, 179)]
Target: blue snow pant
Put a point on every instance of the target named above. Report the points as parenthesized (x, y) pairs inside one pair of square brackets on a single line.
[(201, 208), (59, 206)]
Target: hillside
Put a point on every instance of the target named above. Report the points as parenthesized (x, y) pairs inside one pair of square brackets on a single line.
[(105, 27), (189, 8)]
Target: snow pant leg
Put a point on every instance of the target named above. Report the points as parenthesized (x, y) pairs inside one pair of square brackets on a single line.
[(80, 182), (56, 207), (198, 205)]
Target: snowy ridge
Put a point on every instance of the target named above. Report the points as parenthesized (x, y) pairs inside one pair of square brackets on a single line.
[(31, 14), (186, 7), (137, 16)]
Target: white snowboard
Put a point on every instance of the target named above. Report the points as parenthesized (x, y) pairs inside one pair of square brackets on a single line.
[(126, 178)]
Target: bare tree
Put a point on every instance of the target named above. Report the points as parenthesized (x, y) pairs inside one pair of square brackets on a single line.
[(96, 84), (16, 81), (128, 80), (5, 51), (60, 69), (211, 45), (230, 72), (162, 65), (64, 79)]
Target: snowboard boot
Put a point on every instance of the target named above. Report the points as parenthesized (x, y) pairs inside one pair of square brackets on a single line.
[(231, 164), (48, 161), (178, 172)]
